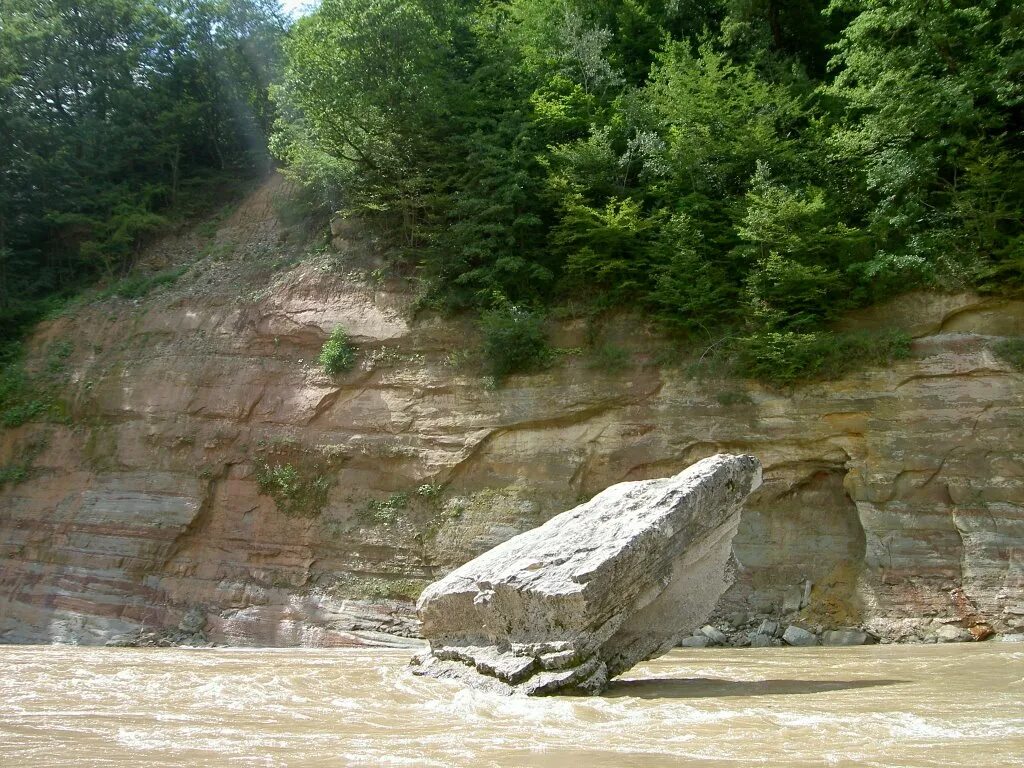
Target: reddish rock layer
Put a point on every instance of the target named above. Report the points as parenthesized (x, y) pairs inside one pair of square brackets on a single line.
[(899, 494)]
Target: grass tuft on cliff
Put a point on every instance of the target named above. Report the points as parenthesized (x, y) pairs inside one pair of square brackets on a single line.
[(14, 473), (295, 493)]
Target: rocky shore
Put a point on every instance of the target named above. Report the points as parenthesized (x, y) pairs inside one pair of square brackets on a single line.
[(760, 631)]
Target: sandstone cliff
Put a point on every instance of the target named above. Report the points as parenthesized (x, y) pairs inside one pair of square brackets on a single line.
[(898, 494)]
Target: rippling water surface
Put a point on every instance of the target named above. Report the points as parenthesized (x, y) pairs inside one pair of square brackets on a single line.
[(875, 706)]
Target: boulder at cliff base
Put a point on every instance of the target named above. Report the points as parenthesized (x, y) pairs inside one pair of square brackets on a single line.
[(569, 605)]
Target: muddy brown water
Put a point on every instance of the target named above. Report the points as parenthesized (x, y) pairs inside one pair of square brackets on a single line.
[(873, 706)]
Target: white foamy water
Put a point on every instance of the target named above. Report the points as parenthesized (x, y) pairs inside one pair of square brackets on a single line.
[(875, 706)]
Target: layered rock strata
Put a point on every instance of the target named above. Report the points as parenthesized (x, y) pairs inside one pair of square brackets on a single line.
[(893, 499), (593, 591)]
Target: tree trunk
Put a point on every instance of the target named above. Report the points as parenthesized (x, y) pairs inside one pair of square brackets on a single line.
[(775, 24)]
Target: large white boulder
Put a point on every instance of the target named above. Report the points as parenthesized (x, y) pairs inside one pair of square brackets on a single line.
[(575, 602)]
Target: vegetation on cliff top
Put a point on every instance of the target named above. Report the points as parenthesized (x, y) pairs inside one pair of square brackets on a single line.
[(738, 169), (742, 171), (117, 117)]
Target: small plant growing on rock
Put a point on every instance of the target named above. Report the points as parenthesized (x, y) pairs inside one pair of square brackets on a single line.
[(295, 493), (20, 471), (386, 511), (25, 397), (430, 491), (337, 354)]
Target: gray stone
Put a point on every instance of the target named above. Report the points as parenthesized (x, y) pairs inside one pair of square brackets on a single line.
[(193, 622), (696, 641), (795, 635), (737, 618), (770, 628), (950, 633), (1015, 637), (845, 637), (616, 580), (715, 636), (793, 598), (762, 603), (757, 640)]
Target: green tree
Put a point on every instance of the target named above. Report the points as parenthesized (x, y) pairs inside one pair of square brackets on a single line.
[(932, 102), (106, 108), (365, 96)]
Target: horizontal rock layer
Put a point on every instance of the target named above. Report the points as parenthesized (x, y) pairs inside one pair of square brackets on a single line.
[(890, 498)]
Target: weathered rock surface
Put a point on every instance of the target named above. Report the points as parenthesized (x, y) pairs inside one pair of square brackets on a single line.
[(897, 492), (595, 590), (845, 637), (694, 641), (950, 633), (799, 636), (769, 628)]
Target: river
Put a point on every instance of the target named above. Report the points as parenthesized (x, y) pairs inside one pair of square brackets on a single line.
[(870, 706)]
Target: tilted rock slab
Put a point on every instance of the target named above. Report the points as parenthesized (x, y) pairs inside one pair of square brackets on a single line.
[(571, 604)]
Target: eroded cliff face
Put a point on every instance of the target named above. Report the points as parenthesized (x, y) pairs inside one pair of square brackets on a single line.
[(897, 494)]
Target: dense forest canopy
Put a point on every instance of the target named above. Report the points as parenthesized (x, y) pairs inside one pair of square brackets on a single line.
[(742, 171), (738, 168), (113, 113)]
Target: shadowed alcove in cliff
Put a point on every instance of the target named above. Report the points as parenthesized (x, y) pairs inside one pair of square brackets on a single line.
[(799, 531)]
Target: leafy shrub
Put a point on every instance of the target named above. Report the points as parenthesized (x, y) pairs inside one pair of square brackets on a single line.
[(296, 493), (786, 294), (608, 247), (783, 358), (458, 359), (690, 293), (24, 412), (1012, 351), (514, 340), (337, 354)]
